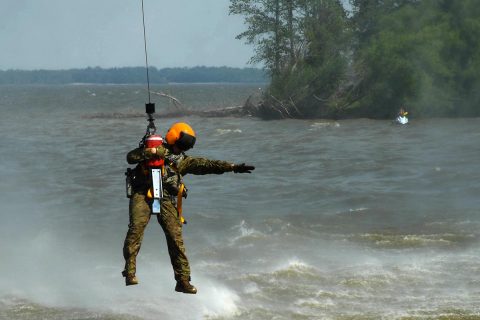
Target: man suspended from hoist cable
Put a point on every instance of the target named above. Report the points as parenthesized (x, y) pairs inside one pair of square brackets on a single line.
[(155, 186)]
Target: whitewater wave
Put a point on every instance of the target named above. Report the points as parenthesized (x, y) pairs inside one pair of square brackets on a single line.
[(22, 309), (221, 132), (296, 268), (246, 234), (402, 241), (323, 124)]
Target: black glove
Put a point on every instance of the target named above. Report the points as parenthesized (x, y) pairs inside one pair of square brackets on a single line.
[(243, 168)]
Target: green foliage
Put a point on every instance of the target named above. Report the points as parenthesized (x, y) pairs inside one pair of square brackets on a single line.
[(421, 54), (385, 67), (272, 27), (303, 45)]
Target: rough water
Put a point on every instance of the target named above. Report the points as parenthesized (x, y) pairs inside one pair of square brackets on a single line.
[(354, 219)]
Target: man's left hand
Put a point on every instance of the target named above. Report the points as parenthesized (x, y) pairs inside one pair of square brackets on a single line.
[(243, 168)]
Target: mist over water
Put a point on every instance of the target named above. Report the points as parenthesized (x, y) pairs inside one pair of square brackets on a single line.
[(354, 219)]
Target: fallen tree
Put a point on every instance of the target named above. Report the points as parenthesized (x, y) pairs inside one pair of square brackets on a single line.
[(266, 107)]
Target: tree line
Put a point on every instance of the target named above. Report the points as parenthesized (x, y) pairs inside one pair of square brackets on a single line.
[(368, 61), (134, 75)]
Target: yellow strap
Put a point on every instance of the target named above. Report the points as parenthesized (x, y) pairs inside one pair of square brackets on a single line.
[(179, 203)]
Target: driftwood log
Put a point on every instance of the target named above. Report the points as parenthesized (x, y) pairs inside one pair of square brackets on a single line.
[(266, 107), (248, 109)]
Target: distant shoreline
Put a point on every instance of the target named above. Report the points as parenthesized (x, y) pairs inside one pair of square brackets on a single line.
[(135, 75), (140, 84)]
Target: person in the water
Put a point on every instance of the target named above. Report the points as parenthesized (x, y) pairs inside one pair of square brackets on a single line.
[(179, 138), (402, 116)]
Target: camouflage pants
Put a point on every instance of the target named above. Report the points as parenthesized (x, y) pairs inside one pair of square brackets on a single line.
[(140, 212)]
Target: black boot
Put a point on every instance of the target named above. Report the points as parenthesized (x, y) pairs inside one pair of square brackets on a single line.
[(130, 279), (185, 287)]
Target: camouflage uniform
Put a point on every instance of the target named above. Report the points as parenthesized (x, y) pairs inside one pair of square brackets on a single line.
[(176, 166)]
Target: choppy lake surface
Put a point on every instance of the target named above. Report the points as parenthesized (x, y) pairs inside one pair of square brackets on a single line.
[(353, 219)]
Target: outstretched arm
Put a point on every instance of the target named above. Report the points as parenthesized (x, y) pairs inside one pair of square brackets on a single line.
[(196, 165)]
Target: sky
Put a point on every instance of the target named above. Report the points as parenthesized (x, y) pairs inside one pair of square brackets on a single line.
[(64, 34)]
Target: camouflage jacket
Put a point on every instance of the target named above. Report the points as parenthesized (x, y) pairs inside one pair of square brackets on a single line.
[(176, 166)]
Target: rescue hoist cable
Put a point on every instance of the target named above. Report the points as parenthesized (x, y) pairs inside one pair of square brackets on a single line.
[(149, 107), (146, 52)]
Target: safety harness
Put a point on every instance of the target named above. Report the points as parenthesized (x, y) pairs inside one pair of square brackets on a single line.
[(152, 194)]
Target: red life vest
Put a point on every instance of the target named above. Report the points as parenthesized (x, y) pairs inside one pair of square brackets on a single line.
[(153, 141)]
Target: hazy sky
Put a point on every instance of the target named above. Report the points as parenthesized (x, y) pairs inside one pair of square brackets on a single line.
[(62, 34)]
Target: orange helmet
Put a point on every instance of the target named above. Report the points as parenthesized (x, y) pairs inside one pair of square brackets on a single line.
[(181, 135)]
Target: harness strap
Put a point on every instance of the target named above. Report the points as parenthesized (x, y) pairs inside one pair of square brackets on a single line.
[(179, 203)]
